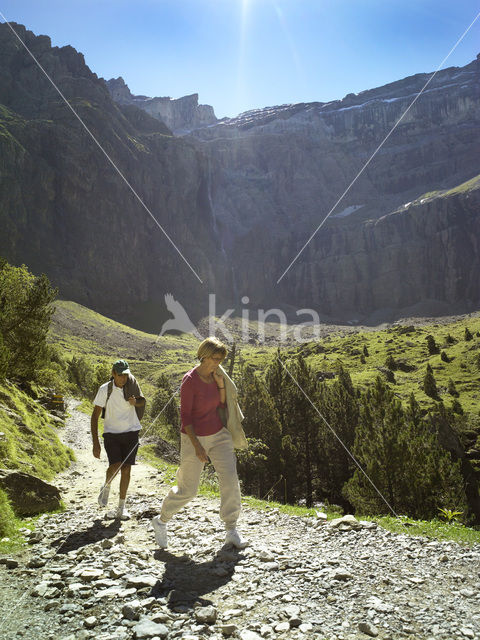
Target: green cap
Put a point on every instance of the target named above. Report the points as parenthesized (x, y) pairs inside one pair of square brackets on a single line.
[(120, 367)]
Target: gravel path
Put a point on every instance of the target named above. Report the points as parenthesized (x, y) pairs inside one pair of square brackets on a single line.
[(89, 577)]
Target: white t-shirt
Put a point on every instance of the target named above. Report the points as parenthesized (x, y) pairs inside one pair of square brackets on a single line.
[(120, 415)]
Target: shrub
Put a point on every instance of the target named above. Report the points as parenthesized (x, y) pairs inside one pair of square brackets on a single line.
[(81, 374), (444, 357), (163, 414), (468, 334)]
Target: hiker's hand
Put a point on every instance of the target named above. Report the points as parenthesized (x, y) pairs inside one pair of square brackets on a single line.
[(201, 453), (96, 450), (218, 377), (132, 400)]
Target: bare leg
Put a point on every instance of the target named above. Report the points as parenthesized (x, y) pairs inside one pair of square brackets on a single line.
[(124, 480), (111, 471)]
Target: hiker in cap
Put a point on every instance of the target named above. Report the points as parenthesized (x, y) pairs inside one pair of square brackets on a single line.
[(206, 390), (121, 403)]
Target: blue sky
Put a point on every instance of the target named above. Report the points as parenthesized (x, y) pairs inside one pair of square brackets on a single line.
[(243, 54)]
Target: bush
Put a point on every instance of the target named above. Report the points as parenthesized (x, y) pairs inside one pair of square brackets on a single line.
[(7, 516), (468, 334), (81, 374), (444, 357), (163, 413), (54, 377)]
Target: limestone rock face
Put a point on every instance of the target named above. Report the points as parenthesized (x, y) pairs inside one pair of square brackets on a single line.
[(180, 115), (278, 172)]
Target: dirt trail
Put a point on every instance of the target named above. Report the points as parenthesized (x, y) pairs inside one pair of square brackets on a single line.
[(90, 577)]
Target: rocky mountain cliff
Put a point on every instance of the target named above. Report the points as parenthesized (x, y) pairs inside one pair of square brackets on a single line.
[(180, 115), (65, 211), (277, 172), (240, 197)]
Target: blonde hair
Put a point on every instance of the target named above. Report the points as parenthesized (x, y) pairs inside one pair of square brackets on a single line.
[(210, 347)]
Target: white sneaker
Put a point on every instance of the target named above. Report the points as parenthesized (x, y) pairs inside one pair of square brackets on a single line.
[(118, 514), (103, 495), (235, 539), (160, 529), (123, 514)]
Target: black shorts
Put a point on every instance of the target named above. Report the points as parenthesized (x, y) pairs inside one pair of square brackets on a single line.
[(121, 447)]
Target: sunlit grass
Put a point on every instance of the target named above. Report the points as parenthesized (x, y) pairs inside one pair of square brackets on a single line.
[(434, 529)]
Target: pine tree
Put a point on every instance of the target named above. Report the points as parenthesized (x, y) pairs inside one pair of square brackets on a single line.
[(261, 466), (468, 334), (452, 389), (338, 403), (457, 407), (25, 313), (390, 363), (378, 450), (430, 384), (431, 345), (299, 423)]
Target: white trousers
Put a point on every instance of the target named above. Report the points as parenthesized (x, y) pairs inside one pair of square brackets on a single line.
[(219, 448)]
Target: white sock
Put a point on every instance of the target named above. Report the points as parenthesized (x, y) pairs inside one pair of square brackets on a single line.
[(121, 504)]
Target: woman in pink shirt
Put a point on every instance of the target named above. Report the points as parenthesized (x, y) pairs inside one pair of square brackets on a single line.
[(203, 436)]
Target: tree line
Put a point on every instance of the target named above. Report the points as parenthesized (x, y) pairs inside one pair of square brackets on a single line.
[(310, 441)]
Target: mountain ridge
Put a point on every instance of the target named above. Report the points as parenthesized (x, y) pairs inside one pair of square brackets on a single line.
[(240, 206)]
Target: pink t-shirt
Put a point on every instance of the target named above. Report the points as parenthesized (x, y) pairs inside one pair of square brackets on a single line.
[(198, 405)]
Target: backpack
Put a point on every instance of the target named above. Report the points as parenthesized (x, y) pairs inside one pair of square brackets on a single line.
[(138, 410)]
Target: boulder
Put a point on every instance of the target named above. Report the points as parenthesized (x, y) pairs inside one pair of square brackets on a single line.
[(28, 494)]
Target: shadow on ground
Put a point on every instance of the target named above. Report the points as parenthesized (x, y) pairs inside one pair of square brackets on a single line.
[(185, 581), (80, 538)]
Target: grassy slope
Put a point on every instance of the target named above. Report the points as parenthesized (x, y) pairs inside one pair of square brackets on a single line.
[(29, 441), (80, 331)]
